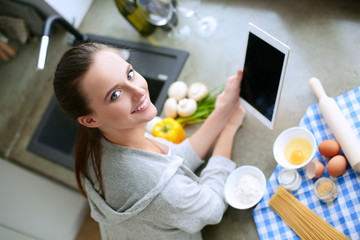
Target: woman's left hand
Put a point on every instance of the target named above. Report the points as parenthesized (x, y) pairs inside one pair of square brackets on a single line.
[(227, 101)]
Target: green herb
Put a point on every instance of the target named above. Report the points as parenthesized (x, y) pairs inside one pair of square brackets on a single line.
[(204, 108)]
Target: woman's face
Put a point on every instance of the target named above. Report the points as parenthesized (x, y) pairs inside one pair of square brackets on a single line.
[(118, 96)]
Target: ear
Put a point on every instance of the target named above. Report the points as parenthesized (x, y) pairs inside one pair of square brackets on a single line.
[(89, 121)]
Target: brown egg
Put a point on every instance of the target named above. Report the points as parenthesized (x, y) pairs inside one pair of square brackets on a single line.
[(337, 166), (329, 148), (314, 169)]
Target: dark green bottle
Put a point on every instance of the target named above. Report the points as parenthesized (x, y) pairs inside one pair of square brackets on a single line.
[(134, 15)]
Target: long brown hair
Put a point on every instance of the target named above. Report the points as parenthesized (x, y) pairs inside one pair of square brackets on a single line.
[(71, 69)]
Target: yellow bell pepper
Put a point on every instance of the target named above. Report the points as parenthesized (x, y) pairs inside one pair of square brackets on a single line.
[(170, 129)]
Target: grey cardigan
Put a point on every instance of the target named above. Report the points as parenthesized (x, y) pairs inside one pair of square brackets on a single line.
[(155, 196)]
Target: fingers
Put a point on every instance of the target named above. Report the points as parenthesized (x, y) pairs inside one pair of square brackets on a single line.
[(237, 104), (235, 80), (242, 112), (239, 74), (242, 109), (232, 88), (237, 117), (228, 99)]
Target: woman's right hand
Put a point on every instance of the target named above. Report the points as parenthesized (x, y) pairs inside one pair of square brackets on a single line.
[(224, 144), (227, 101), (236, 118)]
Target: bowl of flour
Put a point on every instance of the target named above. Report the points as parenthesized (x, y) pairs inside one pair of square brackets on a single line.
[(245, 187)]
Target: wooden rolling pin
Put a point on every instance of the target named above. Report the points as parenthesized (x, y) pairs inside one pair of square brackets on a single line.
[(339, 126)]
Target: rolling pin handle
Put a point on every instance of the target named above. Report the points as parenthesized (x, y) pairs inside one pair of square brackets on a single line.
[(317, 88)]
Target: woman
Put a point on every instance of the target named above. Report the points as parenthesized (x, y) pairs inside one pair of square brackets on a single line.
[(139, 186)]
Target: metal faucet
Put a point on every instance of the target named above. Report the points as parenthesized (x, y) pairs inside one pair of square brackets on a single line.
[(46, 37)]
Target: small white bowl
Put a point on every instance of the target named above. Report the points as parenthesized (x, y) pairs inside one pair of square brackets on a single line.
[(285, 137), (231, 186)]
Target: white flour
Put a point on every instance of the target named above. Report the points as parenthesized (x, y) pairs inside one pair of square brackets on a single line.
[(248, 189)]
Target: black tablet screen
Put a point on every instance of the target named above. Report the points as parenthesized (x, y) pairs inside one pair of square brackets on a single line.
[(262, 72)]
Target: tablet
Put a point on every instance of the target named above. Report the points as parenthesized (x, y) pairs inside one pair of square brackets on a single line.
[(265, 59)]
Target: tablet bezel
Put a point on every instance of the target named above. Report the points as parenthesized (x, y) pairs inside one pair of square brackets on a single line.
[(280, 47)]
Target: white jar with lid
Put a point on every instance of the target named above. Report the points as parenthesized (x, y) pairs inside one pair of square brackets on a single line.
[(289, 179)]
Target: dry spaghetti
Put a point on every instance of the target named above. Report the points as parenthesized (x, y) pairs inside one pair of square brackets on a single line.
[(305, 223)]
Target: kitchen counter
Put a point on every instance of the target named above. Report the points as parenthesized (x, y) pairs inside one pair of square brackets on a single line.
[(324, 38), (317, 42)]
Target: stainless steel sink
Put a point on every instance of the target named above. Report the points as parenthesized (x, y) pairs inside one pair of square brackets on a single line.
[(55, 135)]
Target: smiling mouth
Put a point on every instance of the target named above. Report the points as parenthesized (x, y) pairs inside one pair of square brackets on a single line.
[(141, 106)]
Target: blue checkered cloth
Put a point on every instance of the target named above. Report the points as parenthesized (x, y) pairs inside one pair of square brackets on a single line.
[(344, 212)]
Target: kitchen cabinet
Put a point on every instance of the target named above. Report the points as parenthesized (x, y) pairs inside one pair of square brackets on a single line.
[(34, 207)]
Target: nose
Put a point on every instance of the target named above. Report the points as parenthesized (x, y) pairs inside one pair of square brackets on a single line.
[(137, 91)]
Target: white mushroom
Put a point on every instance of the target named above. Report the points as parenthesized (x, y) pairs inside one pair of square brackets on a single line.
[(186, 107), (177, 90), (151, 124), (170, 108), (197, 91)]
